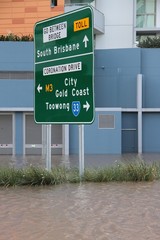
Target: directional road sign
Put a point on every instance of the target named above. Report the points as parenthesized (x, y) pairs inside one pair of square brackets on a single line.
[(64, 91)]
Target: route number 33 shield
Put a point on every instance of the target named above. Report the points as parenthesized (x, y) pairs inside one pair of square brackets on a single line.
[(76, 108)]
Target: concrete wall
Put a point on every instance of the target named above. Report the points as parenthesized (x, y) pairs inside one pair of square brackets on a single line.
[(16, 57), (158, 14), (151, 77), (151, 132), (115, 77), (99, 141), (16, 93), (119, 23), (116, 87)]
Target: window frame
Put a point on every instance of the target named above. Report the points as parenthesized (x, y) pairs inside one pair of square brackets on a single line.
[(146, 14), (54, 3)]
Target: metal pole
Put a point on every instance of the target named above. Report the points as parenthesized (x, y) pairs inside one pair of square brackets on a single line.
[(44, 139), (48, 152), (81, 150)]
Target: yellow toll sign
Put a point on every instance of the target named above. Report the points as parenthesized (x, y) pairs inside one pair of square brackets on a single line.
[(81, 24)]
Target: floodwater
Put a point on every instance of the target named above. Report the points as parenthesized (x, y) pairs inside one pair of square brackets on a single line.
[(90, 211), (73, 160), (98, 211)]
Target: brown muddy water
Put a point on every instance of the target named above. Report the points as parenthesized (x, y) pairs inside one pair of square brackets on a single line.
[(98, 211), (90, 211)]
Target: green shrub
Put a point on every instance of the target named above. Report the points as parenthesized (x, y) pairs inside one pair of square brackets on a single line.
[(139, 171), (14, 37), (150, 42)]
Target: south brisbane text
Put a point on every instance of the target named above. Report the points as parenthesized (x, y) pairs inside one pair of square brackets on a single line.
[(58, 50), (66, 48)]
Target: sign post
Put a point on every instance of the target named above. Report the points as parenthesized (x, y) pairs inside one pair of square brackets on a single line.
[(64, 63), (81, 150)]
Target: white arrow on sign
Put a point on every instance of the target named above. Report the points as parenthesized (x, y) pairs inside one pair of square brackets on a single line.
[(85, 40), (86, 106), (39, 88)]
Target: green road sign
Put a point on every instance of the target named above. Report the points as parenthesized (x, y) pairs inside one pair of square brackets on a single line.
[(64, 91)]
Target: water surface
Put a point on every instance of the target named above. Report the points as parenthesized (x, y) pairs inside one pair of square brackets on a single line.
[(91, 211), (98, 211)]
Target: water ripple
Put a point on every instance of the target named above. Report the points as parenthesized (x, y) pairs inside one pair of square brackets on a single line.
[(98, 211)]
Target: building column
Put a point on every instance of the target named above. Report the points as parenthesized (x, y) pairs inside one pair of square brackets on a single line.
[(65, 139)]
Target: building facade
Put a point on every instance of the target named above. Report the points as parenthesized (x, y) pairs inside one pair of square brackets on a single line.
[(125, 21), (127, 102), (19, 16), (126, 79), (118, 24)]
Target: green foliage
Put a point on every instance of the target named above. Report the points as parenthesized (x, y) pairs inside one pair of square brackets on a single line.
[(73, 176), (13, 37), (31, 176), (150, 42), (124, 172)]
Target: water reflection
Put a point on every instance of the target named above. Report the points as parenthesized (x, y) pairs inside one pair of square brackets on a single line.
[(73, 160), (81, 211)]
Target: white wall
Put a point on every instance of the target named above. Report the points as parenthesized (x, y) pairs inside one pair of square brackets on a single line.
[(158, 14), (119, 24)]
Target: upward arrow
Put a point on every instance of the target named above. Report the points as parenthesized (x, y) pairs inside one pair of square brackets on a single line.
[(85, 40)]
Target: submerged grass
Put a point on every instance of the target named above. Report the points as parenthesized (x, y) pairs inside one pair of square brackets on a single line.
[(135, 171)]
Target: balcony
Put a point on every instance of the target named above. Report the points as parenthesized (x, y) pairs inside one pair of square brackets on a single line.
[(99, 20)]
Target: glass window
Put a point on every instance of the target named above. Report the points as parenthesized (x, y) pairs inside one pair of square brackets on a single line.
[(146, 13), (53, 3)]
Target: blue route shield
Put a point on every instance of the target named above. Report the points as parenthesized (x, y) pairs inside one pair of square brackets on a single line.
[(76, 108)]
